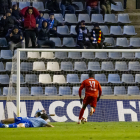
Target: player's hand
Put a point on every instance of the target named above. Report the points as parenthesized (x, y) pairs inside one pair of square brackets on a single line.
[(98, 98), (81, 101)]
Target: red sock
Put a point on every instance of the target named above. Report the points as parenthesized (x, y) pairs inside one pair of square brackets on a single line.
[(81, 113)]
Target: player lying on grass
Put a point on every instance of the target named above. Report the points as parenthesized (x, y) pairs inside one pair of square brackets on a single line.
[(92, 87), (26, 122)]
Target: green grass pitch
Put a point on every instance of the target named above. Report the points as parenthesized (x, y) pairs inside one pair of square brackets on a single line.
[(73, 131)]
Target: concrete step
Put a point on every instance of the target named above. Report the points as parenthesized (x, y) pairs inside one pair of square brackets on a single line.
[(132, 11)]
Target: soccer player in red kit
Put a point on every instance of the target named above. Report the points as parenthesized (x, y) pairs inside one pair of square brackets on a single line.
[(92, 89)]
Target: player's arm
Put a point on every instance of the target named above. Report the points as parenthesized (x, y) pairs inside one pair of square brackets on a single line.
[(48, 125), (80, 91), (100, 92), (51, 114)]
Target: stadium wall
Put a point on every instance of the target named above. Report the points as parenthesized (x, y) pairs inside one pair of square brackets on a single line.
[(67, 110)]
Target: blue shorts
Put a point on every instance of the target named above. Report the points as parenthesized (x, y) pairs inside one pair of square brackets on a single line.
[(27, 123)]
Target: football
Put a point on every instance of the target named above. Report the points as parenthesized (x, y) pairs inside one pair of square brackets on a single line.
[(84, 120)]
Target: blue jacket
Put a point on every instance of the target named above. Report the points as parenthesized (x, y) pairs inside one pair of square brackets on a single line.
[(39, 21)]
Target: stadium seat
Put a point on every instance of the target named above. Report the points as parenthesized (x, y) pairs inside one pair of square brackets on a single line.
[(137, 78), (110, 18), (110, 41), (61, 55), (133, 90), (134, 42), (39, 66), (129, 30), (26, 66), (75, 91), (84, 17), (39, 6), (134, 66), (31, 79), (123, 18), (119, 90), (114, 78), (71, 18), (2, 67), (69, 42), (118, 7), (80, 5), (60, 79), (72, 78), (57, 41), (84, 77), (106, 90), (50, 91), (94, 66), (97, 18), (137, 55), (46, 16), (66, 66), (89, 28), (36, 91), (105, 30), (45, 78), (80, 66), (14, 79), (6, 54), (23, 4), (23, 55), (72, 30), (107, 66), (115, 55), (9, 91), (63, 30), (53, 66), (4, 79), (24, 91), (128, 55), (101, 78), (47, 55), (74, 55), (128, 78), (59, 17), (33, 55), (64, 91), (122, 42), (8, 66), (101, 55), (116, 30), (88, 55), (3, 42), (121, 66)]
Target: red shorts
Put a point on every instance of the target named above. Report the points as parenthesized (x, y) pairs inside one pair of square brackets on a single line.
[(92, 101)]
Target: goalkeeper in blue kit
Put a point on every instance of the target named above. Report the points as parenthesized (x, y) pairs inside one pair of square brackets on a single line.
[(21, 122)]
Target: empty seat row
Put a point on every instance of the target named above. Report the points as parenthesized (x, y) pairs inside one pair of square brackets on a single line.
[(70, 78), (52, 91), (114, 30), (80, 66), (74, 55)]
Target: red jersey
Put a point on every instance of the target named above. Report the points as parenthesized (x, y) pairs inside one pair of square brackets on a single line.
[(92, 87)]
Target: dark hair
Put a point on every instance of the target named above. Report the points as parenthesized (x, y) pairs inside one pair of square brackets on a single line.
[(44, 116), (91, 75), (38, 114)]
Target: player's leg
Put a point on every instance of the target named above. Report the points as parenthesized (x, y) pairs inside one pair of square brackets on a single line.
[(82, 112), (93, 103), (8, 121)]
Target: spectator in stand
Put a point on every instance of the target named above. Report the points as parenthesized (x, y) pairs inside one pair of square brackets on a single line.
[(53, 5), (39, 20), (125, 3), (8, 22), (30, 14), (44, 36), (15, 38), (53, 23), (106, 6), (67, 5), (82, 36), (4, 6), (92, 5), (97, 37), (16, 12)]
